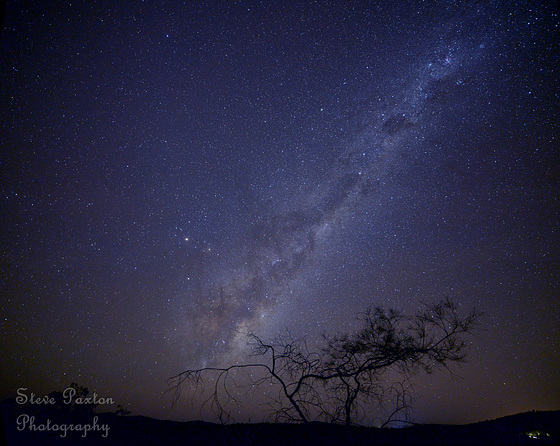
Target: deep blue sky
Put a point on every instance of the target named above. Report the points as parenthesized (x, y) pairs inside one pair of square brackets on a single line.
[(173, 173)]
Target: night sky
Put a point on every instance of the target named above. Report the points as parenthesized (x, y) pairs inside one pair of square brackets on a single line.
[(174, 174)]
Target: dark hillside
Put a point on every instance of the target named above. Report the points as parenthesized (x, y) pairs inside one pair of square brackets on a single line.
[(526, 428)]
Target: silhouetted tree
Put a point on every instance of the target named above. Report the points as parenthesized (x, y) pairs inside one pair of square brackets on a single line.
[(338, 382), (121, 411), (66, 400)]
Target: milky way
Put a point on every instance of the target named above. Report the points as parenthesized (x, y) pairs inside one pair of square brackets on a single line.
[(276, 250)]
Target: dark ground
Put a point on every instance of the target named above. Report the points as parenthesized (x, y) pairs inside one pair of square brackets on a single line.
[(525, 428)]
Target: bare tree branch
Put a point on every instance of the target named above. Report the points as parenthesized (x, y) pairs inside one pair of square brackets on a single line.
[(350, 372)]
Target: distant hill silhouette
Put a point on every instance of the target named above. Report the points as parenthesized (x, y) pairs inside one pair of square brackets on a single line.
[(533, 428)]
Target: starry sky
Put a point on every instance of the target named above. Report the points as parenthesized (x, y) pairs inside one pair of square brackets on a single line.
[(176, 173)]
